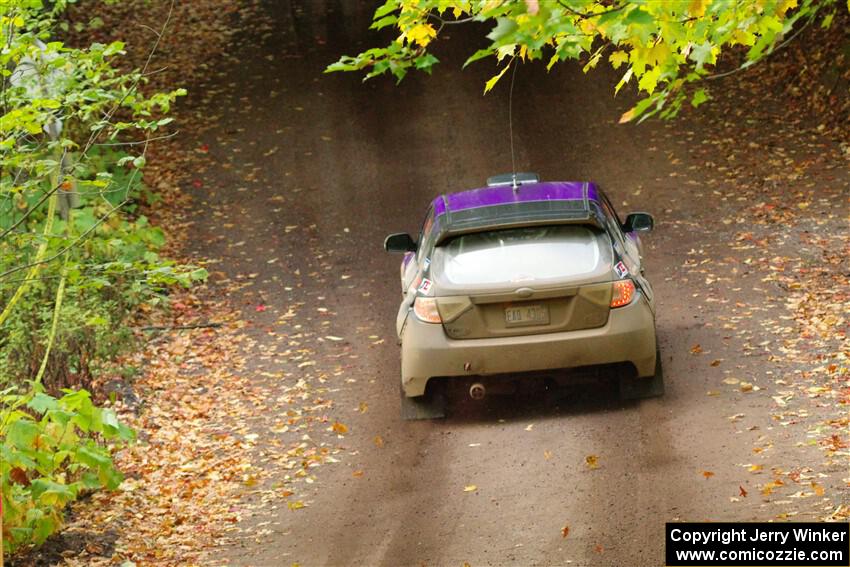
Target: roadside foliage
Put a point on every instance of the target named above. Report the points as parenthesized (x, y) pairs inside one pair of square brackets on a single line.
[(77, 257), (668, 49)]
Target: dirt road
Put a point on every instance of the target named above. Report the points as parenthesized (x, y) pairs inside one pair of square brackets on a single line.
[(312, 171)]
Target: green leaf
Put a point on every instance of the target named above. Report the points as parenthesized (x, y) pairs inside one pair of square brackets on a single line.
[(41, 402), (701, 54), (22, 434), (425, 62), (700, 96), (385, 9), (383, 22), (649, 80), (504, 27), (480, 54)]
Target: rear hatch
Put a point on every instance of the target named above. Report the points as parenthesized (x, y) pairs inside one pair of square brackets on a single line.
[(523, 281)]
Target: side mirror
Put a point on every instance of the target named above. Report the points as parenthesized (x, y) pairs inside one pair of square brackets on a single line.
[(399, 242), (639, 222)]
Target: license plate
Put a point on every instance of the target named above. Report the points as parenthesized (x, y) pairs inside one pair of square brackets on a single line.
[(526, 315)]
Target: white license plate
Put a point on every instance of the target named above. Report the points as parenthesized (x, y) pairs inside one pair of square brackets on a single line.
[(526, 315)]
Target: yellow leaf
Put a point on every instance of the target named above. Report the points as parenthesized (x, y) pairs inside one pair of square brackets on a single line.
[(697, 7), (592, 461), (626, 76), (618, 58), (784, 6), (379, 441), (340, 428), (505, 51), (492, 82), (297, 505), (817, 488), (649, 80), (421, 34), (470, 488)]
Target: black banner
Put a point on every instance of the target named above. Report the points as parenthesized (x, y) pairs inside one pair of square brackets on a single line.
[(758, 544)]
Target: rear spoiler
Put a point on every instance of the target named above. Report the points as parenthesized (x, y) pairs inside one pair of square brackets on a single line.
[(513, 215)]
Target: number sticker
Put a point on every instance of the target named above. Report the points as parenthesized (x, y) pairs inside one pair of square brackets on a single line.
[(425, 286), (621, 270)]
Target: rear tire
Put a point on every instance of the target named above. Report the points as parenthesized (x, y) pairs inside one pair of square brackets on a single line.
[(430, 406), (635, 387)]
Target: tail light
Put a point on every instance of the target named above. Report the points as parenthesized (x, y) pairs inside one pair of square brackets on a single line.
[(624, 292), (426, 309)]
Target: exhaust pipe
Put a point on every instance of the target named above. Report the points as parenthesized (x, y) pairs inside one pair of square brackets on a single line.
[(477, 391)]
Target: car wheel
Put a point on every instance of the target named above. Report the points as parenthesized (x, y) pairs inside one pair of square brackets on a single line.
[(634, 388), (430, 406)]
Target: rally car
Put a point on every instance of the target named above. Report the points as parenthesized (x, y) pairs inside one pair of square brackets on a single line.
[(523, 276)]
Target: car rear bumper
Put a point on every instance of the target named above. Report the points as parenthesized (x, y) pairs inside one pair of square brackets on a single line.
[(628, 336)]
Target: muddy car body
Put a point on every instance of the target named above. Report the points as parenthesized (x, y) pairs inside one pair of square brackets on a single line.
[(514, 278)]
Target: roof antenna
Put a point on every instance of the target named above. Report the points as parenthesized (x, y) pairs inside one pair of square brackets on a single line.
[(514, 184)]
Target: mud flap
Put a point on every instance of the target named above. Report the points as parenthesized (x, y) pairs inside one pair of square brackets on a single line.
[(635, 388), (430, 406)]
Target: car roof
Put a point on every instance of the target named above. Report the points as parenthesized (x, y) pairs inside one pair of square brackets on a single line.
[(504, 206)]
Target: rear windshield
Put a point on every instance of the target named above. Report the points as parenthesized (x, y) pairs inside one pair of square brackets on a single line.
[(522, 254)]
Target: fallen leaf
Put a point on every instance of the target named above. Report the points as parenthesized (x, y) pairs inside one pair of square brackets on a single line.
[(565, 531), (696, 349), (742, 491), (707, 474), (357, 474), (547, 455), (592, 461), (340, 428), (470, 488)]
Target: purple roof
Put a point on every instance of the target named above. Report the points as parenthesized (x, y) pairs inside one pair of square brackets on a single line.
[(504, 194)]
